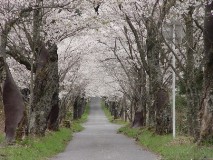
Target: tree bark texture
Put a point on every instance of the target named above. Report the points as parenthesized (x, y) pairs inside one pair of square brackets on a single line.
[(163, 112), (45, 105), (160, 110), (155, 79), (190, 77), (206, 130)]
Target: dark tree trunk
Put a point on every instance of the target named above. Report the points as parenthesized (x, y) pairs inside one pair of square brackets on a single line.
[(53, 117), (142, 94), (81, 106), (138, 120), (13, 103), (124, 109), (206, 129), (111, 109), (12, 99), (121, 113), (115, 110), (163, 112), (131, 111), (53, 121), (54, 113), (63, 109), (75, 108)]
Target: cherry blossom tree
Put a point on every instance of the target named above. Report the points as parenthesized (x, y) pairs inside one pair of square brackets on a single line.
[(116, 49), (11, 13)]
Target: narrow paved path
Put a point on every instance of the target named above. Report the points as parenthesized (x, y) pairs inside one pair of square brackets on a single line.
[(99, 141)]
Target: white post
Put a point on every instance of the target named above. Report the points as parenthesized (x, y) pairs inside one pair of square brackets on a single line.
[(173, 84)]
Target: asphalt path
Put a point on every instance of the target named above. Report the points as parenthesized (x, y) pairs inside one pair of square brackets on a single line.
[(100, 141)]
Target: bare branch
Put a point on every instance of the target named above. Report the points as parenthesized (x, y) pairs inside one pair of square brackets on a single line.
[(140, 49)]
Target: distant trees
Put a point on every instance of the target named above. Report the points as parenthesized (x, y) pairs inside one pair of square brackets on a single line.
[(143, 54), (140, 57)]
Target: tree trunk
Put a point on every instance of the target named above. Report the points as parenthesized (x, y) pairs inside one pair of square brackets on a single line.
[(115, 109), (206, 130), (45, 107), (160, 110), (143, 94), (12, 98), (53, 68), (155, 77), (45, 92), (191, 86), (75, 109), (138, 120), (163, 112), (13, 104)]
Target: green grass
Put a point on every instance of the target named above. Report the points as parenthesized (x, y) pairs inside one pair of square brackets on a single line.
[(181, 148), (44, 147), (110, 117), (1, 138), (38, 148)]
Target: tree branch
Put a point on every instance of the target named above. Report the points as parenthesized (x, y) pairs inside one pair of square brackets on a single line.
[(140, 49), (19, 57)]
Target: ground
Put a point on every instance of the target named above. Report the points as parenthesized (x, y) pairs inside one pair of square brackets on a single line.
[(100, 140)]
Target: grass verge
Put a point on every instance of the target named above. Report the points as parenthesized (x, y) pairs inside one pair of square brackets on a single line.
[(181, 148), (110, 117), (44, 147)]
